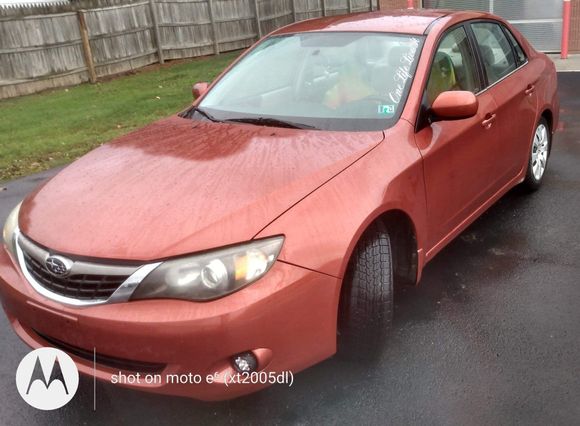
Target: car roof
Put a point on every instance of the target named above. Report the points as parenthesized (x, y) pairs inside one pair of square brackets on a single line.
[(404, 21)]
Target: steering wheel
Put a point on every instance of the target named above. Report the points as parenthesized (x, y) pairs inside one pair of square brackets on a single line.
[(305, 77)]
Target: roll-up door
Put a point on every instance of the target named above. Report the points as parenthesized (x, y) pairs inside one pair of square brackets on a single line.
[(540, 21)]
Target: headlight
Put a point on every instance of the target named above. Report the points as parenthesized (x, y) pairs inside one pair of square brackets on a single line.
[(9, 228), (211, 275)]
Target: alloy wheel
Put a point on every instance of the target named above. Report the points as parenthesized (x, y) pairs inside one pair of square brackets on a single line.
[(540, 151)]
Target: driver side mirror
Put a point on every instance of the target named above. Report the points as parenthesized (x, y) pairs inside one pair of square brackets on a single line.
[(455, 105), (199, 89)]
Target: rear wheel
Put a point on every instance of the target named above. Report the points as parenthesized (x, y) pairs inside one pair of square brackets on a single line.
[(538, 161), (366, 307)]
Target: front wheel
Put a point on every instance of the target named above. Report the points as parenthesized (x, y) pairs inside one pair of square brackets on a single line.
[(538, 160), (366, 305)]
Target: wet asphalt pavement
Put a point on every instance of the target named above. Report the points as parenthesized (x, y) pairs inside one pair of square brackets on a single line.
[(492, 335)]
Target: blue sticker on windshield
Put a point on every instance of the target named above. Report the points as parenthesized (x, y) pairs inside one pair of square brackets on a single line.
[(386, 110)]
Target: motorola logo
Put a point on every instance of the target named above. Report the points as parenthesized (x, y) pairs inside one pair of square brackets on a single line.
[(47, 378)]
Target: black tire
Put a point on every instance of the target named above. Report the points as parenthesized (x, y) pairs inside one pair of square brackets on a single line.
[(531, 183), (366, 305)]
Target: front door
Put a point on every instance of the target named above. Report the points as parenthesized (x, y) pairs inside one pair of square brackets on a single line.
[(458, 156)]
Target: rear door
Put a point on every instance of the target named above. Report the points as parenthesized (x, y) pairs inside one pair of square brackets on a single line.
[(512, 83), (458, 156)]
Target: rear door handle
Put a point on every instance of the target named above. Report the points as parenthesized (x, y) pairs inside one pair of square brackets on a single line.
[(488, 122), (531, 89)]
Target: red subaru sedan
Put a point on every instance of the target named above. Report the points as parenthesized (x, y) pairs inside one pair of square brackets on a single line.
[(265, 227)]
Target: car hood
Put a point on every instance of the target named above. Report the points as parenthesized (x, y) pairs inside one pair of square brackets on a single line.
[(177, 186)]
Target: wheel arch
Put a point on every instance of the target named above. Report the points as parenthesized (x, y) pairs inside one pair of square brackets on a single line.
[(549, 116), (402, 232)]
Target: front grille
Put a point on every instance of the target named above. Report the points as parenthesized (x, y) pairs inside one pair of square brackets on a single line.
[(81, 287), (106, 360)]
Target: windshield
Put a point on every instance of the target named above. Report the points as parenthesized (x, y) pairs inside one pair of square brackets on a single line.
[(321, 80)]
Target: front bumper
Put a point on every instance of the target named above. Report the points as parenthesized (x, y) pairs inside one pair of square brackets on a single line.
[(288, 318)]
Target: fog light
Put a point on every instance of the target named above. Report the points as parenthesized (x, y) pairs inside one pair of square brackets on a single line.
[(245, 362)]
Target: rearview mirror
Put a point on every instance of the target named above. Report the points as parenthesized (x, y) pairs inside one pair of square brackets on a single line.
[(199, 89), (455, 105)]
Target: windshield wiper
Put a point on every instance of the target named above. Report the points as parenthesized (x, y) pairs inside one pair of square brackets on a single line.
[(272, 122), (203, 113)]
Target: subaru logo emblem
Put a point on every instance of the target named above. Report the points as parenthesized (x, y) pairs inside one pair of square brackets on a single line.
[(58, 266)]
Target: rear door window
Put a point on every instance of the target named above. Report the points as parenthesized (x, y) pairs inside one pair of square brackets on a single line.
[(495, 49), (520, 55)]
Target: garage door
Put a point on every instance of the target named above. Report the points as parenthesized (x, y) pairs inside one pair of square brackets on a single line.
[(540, 21)]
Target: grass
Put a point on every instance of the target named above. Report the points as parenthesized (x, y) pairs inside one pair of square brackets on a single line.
[(45, 130)]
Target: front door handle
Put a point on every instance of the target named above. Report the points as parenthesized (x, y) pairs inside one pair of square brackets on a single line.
[(531, 89), (488, 122)]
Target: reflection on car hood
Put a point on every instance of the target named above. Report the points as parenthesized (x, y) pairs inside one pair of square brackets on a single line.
[(179, 186)]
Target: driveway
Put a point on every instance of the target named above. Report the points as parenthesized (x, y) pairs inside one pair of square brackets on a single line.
[(492, 335)]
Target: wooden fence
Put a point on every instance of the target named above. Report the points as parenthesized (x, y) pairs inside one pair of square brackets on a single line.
[(61, 45)]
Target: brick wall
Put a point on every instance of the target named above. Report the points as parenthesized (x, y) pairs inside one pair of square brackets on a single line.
[(398, 4), (575, 27)]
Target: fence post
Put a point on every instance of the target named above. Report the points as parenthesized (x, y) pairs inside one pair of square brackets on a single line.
[(370, 5), (257, 13), (349, 6), (323, 7), (216, 45), (294, 17), (87, 47), (156, 34)]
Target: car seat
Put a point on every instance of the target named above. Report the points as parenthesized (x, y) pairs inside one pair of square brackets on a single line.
[(383, 73), (489, 62), (442, 77)]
